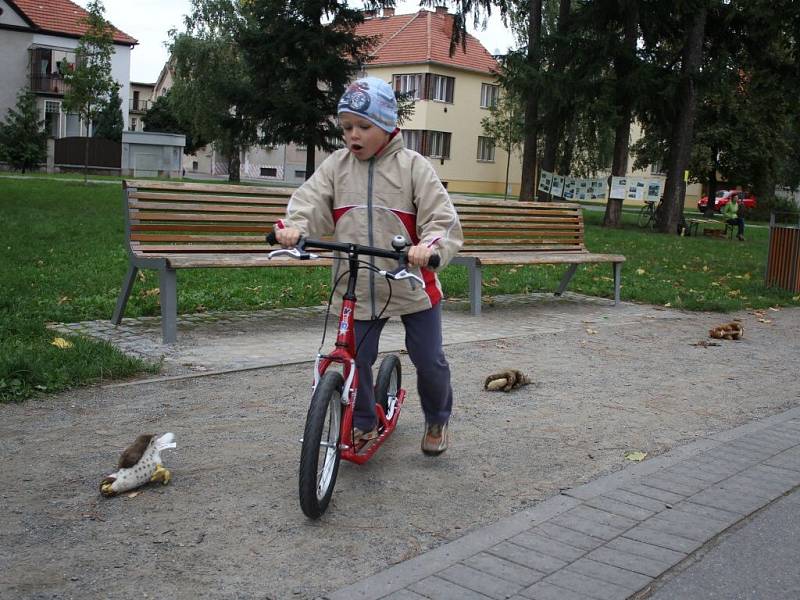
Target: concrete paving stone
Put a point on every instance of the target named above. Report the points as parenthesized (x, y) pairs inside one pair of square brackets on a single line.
[(588, 527), (755, 455), (718, 514), (683, 475), (778, 473), (643, 533), (699, 472), (769, 486), (632, 562), (610, 574), (617, 507), (735, 462), (532, 559), (735, 484), (504, 569), (601, 516), (683, 528), (437, 588), (664, 482), (480, 582), (655, 493), (568, 536), (751, 445), (634, 499), (594, 588), (783, 461), (729, 500), (773, 434), (700, 523), (548, 591), (549, 546), (404, 595), (645, 550)]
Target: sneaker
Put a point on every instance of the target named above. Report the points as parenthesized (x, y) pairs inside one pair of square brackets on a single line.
[(364, 436), (434, 442), (740, 238)]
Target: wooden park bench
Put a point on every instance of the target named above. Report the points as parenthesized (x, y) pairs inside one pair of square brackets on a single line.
[(498, 232), (175, 225), (714, 228), (183, 225)]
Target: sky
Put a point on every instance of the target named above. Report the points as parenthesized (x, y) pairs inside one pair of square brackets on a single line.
[(150, 20)]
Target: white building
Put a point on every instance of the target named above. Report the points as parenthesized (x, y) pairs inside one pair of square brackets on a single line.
[(37, 43)]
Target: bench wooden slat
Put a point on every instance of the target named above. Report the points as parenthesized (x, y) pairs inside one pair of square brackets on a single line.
[(152, 238), (208, 208), (511, 210), (522, 258), (214, 188), (573, 206), (510, 248), (194, 217), (201, 228), (485, 220), (195, 261), (201, 248), (148, 197)]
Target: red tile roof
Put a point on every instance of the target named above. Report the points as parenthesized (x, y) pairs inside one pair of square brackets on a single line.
[(423, 37), (61, 16)]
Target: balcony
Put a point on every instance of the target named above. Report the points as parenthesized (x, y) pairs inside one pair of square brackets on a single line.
[(139, 106), (47, 67)]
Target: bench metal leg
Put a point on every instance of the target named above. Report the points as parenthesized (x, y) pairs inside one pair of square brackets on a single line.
[(566, 279), (617, 268), (168, 297), (124, 294), (475, 289)]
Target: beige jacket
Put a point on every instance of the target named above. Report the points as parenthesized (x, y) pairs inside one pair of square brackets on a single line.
[(370, 202)]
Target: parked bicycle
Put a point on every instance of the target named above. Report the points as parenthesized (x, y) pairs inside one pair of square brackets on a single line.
[(648, 216), (328, 434)]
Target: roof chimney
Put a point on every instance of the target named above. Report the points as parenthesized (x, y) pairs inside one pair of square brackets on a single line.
[(441, 10), (388, 11)]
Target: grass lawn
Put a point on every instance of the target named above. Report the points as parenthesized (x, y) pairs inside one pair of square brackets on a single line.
[(63, 260)]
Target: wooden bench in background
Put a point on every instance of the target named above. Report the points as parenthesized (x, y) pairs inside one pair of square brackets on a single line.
[(508, 232), (175, 225), (714, 228), (183, 225)]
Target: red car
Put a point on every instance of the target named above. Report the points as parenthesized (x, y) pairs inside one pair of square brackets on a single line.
[(724, 196)]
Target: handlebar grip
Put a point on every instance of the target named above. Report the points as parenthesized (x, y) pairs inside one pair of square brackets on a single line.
[(271, 239), (434, 261)]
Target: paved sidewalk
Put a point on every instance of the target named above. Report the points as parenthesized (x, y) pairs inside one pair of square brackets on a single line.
[(608, 539)]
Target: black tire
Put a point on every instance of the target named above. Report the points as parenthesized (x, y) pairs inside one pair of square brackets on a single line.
[(388, 382), (321, 441)]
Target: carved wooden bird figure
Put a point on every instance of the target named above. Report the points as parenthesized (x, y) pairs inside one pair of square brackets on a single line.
[(505, 380), (139, 463)]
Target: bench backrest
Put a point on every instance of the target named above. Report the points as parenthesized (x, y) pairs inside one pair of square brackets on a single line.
[(512, 226), (179, 217)]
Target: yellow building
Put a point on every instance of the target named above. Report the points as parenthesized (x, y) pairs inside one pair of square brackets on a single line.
[(452, 95)]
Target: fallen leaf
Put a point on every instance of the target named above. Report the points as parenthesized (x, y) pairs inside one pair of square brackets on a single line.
[(63, 300), (591, 331), (765, 320), (668, 304), (60, 342), (151, 292), (640, 271), (133, 494), (635, 455), (775, 309)]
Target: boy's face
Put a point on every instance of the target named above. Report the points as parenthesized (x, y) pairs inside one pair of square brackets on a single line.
[(362, 137)]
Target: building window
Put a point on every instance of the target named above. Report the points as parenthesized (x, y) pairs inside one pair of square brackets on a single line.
[(433, 144), (195, 165), (657, 169), (485, 149), (269, 172), (132, 126), (52, 118), (438, 144), (411, 83), (489, 95), (412, 138), (441, 88), (300, 174)]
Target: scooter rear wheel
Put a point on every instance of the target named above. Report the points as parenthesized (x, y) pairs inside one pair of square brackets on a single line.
[(388, 384)]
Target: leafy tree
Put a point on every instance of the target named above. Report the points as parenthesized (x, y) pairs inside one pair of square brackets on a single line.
[(213, 92), (90, 83), (23, 141), (110, 122), (161, 117), (301, 54)]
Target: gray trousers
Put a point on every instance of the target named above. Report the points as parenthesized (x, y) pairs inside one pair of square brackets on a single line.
[(424, 345)]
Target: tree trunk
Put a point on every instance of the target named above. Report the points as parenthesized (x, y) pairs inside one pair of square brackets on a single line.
[(311, 151), (683, 130), (624, 65), (528, 187), (712, 186), (234, 165), (554, 119), (86, 158)]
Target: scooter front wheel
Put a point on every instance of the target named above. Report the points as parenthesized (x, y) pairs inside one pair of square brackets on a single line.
[(320, 455)]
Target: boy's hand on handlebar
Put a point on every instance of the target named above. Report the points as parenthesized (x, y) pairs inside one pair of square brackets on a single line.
[(418, 256), (287, 237)]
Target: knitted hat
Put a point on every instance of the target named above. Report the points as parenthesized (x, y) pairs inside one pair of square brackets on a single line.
[(373, 99)]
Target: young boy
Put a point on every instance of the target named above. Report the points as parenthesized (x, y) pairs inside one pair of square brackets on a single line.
[(732, 217), (366, 193)]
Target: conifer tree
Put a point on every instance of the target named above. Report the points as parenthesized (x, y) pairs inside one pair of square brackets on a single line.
[(23, 141), (110, 122)]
